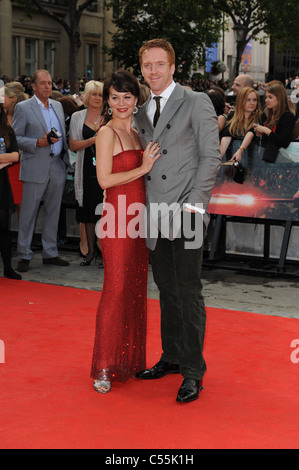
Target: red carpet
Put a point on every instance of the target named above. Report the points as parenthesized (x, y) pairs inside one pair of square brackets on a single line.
[(250, 399)]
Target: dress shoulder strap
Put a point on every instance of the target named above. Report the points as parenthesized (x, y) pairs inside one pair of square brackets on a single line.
[(118, 139), (137, 136)]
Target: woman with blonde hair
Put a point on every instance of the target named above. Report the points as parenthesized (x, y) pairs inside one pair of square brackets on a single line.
[(247, 112), (84, 126), (13, 94)]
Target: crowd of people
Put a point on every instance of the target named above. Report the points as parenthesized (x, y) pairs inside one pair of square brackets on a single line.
[(156, 142), (63, 88)]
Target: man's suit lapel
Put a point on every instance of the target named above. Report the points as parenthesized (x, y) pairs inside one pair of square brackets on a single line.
[(36, 110), (143, 120), (173, 103)]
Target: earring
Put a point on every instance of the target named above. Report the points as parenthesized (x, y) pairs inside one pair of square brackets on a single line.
[(109, 111), (135, 110)]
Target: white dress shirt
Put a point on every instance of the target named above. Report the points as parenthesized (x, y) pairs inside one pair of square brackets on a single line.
[(51, 121), (151, 109)]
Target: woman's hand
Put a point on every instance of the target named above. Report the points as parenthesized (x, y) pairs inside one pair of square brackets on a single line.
[(92, 140), (150, 155), (79, 145), (237, 157), (259, 130), (9, 158), (3, 165)]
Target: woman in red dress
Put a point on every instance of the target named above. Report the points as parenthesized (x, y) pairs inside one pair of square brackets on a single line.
[(119, 346)]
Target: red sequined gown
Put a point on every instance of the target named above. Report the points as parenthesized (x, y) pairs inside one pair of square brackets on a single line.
[(119, 346)]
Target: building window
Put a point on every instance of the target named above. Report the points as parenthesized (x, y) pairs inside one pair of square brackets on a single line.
[(283, 63), (16, 56), (89, 60), (30, 56), (93, 7), (48, 56)]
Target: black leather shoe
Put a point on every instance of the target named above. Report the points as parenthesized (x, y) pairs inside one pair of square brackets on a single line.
[(23, 265), (189, 390), (11, 274), (159, 370)]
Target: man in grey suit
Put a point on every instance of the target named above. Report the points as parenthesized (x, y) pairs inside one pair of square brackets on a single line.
[(44, 166), (178, 189)]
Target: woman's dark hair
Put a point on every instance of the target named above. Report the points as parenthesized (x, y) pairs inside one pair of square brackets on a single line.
[(4, 127), (218, 101), (122, 81), (69, 105), (277, 89)]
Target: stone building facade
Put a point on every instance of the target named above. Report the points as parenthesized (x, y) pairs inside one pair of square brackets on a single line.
[(41, 42)]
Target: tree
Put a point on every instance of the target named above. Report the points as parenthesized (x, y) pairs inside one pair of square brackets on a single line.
[(70, 22), (273, 18), (188, 25)]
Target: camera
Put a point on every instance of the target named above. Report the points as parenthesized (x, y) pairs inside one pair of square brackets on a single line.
[(54, 133)]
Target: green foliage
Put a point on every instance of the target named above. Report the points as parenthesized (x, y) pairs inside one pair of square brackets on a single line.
[(273, 18), (282, 22), (261, 20), (189, 26), (218, 67)]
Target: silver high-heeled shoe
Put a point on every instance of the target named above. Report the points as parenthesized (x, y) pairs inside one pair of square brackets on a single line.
[(102, 385)]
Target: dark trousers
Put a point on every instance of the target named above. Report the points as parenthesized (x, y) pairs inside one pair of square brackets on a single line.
[(177, 273), (5, 243)]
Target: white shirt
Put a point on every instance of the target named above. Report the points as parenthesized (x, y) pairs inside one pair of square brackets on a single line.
[(51, 121), (151, 109)]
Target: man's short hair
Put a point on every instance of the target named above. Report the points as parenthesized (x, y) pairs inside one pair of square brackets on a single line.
[(36, 73), (160, 43)]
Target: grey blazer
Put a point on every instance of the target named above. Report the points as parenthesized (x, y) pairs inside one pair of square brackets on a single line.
[(29, 125), (187, 132)]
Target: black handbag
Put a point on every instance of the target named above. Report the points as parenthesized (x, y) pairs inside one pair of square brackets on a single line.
[(238, 172)]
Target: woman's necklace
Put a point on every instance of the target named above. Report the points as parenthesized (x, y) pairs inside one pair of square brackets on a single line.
[(94, 122)]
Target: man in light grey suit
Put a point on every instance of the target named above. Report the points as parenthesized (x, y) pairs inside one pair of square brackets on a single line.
[(185, 126), (44, 166)]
